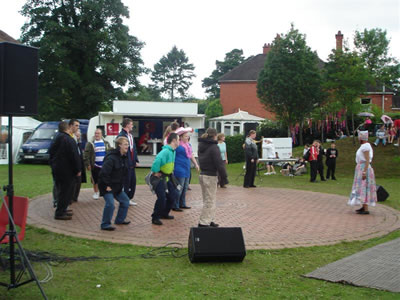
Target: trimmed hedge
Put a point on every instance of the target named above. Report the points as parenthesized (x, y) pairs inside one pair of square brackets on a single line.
[(234, 147), (271, 129)]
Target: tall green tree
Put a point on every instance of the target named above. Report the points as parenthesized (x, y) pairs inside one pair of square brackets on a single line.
[(86, 54), (232, 60), (290, 83), (144, 93), (373, 48), (214, 109), (173, 73), (346, 77)]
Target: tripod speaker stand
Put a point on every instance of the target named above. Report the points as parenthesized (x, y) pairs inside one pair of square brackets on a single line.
[(18, 96), (11, 232)]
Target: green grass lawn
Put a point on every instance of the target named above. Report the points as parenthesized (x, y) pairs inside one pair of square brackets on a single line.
[(264, 274)]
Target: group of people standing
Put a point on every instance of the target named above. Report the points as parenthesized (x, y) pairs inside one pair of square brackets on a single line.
[(114, 177), (170, 174), (112, 170), (66, 161), (315, 154)]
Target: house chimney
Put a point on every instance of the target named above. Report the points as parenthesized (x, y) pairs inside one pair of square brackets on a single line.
[(266, 48), (339, 41)]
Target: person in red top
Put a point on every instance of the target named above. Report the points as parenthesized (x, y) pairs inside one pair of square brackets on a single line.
[(313, 159), (396, 125), (144, 147)]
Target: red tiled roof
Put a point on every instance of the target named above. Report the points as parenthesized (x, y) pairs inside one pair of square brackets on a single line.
[(4, 37)]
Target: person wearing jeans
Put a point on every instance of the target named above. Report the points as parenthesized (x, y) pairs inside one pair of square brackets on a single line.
[(111, 178), (184, 154), (109, 207), (380, 136), (162, 170)]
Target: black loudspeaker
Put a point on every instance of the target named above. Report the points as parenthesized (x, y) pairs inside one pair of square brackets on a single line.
[(18, 79), (381, 193), (210, 244)]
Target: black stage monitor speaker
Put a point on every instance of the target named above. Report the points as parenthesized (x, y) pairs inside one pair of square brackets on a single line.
[(381, 193), (18, 79), (210, 244)]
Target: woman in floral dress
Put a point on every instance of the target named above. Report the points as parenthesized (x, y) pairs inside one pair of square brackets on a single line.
[(363, 191)]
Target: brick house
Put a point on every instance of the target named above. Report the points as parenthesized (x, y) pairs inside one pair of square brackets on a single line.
[(238, 88), (4, 37)]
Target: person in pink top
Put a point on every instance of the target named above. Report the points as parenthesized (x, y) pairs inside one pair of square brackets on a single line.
[(313, 159), (367, 123), (392, 133), (396, 125)]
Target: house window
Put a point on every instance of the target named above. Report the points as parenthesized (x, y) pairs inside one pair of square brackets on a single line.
[(365, 101), (236, 128), (227, 128)]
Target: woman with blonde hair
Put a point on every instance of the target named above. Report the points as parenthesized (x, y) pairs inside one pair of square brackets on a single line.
[(111, 179), (171, 128)]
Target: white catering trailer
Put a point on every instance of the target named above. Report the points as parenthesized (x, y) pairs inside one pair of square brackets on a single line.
[(148, 117)]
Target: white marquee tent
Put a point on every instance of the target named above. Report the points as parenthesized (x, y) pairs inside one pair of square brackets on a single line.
[(22, 128)]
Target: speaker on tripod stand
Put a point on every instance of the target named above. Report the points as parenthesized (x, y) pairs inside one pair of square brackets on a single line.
[(18, 97), (18, 79)]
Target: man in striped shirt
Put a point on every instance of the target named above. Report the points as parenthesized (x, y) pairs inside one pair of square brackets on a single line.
[(95, 151)]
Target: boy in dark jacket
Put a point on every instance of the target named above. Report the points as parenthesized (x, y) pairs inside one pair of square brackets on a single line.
[(111, 178), (211, 164), (331, 155)]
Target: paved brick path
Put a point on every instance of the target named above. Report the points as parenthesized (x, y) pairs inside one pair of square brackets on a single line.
[(270, 218)]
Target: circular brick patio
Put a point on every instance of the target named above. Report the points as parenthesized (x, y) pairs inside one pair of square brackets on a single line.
[(270, 218)]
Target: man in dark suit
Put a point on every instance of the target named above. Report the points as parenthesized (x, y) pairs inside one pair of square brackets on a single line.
[(65, 166), (130, 180)]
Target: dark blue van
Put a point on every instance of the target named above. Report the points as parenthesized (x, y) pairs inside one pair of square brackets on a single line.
[(36, 148)]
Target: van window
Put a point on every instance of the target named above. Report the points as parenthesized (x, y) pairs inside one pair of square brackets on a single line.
[(44, 134), (26, 136)]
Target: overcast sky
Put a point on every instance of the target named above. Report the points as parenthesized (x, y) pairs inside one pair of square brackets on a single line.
[(208, 29)]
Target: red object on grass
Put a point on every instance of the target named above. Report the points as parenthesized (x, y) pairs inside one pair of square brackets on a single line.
[(20, 213)]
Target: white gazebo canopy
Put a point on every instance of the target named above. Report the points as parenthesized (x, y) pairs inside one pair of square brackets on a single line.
[(234, 123)]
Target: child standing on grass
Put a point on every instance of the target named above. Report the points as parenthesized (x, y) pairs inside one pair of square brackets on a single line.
[(331, 155)]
